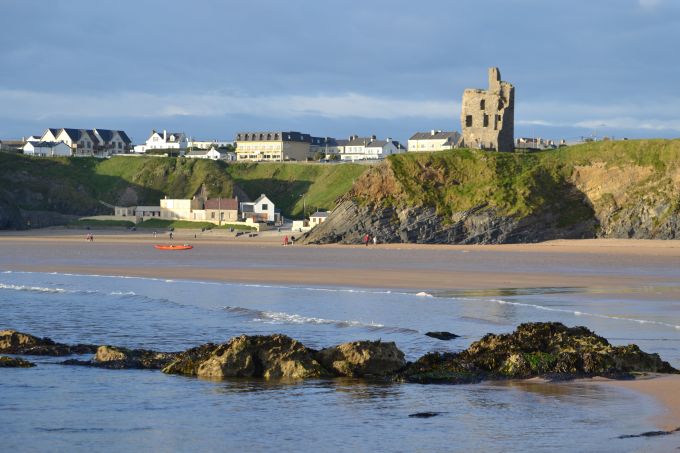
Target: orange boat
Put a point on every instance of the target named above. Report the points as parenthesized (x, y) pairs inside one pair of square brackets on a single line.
[(173, 247)]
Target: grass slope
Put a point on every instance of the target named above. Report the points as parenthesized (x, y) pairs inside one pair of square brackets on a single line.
[(286, 183)]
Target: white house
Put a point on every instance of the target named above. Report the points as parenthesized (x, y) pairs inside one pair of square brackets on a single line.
[(47, 149), (367, 148), (166, 140), (433, 141), (260, 210), (211, 154), (317, 218), (207, 144)]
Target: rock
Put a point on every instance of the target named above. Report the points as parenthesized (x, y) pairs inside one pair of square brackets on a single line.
[(116, 358), (536, 349), (446, 336), (13, 362), (270, 357), (424, 414), (363, 358), (13, 342)]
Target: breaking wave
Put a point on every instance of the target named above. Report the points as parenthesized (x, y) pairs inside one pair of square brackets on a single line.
[(272, 317), (582, 313)]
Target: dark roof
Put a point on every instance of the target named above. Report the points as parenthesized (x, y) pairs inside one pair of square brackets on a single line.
[(125, 137), (105, 134), (228, 204), (376, 143), (74, 134), (273, 136), (438, 135), (247, 207), (47, 144), (54, 131), (319, 214)]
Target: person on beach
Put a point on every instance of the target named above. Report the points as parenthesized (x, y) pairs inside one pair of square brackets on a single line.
[(285, 241), (366, 239), (375, 240), (154, 235), (171, 235)]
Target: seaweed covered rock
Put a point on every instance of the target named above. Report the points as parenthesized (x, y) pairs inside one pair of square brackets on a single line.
[(265, 356), (13, 342), (118, 358), (363, 358), (14, 362)]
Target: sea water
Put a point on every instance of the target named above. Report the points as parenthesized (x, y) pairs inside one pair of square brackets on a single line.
[(59, 408)]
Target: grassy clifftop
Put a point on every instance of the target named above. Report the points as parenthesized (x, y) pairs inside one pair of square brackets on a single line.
[(604, 177), (76, 185)]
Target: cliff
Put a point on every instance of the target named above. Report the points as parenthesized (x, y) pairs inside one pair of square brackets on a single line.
[(625, 189)]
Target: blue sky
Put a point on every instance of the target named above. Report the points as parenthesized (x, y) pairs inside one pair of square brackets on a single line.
[(335, 68)]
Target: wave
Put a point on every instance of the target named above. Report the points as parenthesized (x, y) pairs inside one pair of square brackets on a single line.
[(272, 317), (424, 294), (37, 289), (582, 313)]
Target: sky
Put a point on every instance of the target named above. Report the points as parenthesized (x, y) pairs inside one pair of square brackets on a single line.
[(335, 68)]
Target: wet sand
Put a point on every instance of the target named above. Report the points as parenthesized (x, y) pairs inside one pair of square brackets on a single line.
[(628, 268)]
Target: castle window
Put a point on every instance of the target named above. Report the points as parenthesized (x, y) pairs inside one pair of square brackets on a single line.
[(486, 120), (468, 121), (482, 104)]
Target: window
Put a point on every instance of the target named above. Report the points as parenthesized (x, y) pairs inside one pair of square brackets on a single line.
[(486, 120), (212, 215), (265, 206), (482, 104), (468, 121), (120, 145)]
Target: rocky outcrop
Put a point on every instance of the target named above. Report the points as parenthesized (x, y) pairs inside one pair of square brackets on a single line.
[(14, 362), (363, 359), (117, 358), (13, 342), (268, 357), (445, 336), (536, 349), (350, 222)]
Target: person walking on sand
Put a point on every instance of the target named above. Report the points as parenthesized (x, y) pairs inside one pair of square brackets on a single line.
[(366, 239), (154, 235), (285, 240), (171, 235), (375, 240)]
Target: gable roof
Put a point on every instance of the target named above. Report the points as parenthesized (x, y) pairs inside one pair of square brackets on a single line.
[(228, 204), (319, 214), (438, 135), (261, 198)]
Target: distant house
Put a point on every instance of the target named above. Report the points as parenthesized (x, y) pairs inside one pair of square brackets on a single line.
[(165, 140), (90, 142), (367, 148), (207, 144), (276, 146), (433, 141), (211, 154), (179, 209), (260, 210), (317, 218), (221, 210), (47, 149), (229, 156), (534, 143)]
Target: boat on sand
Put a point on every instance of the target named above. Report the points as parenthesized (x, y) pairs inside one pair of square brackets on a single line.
[(173, 247)]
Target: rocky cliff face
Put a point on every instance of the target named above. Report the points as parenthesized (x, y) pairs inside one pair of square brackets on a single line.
[(561, 201), (350, 222)]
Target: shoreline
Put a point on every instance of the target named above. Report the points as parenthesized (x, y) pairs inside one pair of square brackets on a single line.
[(627, 268)]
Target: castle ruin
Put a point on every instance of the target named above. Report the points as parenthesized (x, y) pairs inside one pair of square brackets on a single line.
[(488, 116)]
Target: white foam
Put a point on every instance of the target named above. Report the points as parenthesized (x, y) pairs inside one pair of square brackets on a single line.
[(38, 289), (424, 294), (581, 313)]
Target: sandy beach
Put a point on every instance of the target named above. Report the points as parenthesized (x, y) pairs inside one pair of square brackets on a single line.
[(627, 268)]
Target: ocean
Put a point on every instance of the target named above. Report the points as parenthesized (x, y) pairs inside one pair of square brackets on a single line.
[(59, 408)]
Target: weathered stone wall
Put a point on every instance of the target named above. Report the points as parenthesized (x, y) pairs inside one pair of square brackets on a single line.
[(488, 116)]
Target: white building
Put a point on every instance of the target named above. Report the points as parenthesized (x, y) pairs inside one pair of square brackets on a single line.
[(367, 148), (165, 140), (433, 141), (211, 154), (260, 210), (317, 218), (207, 144), (47, 149)]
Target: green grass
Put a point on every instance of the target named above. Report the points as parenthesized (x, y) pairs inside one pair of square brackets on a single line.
[(292, 186), (101, 223)]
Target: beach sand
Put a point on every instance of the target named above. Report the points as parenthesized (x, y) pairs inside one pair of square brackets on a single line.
[(628, 268)]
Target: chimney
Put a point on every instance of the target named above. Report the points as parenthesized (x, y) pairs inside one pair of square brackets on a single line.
[(373, 137), (165, 134), (433, 132)]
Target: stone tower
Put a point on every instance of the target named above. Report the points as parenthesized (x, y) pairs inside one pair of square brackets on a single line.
[(488, 116)]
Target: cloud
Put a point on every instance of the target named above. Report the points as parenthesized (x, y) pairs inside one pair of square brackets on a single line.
[(36, 105), (649, 4)]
